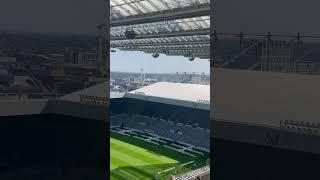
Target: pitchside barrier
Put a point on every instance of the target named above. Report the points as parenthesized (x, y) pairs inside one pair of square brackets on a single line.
[(198, 174)]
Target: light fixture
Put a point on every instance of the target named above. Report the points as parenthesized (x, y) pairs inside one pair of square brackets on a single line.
[(191, 58), (155, 55), (130, 33)]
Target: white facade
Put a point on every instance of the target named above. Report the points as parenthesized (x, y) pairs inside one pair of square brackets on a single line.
[(189, 95), (265, 98)]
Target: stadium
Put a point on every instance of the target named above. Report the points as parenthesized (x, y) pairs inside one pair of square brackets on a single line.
[(161, 131), (266, 99)]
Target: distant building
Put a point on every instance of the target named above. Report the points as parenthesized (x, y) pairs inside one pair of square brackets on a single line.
[(36, 64), (81, 56), (150, 80), (87, 59)]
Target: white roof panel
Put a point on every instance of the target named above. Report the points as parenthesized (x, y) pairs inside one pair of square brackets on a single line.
[(265, 98), (190, 95)]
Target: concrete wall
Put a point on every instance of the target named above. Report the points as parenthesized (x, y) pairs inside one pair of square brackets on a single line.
[(77, 109), (24, 107), (265, 136)]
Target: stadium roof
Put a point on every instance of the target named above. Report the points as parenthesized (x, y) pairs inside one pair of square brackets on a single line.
[(265, 98), (274, 109), (171, 27), (99, 90), (189, 95), (116, 95)]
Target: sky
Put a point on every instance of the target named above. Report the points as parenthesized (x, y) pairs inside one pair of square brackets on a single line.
[(82, 16), (261, 16), (135, 61), (62, 16)]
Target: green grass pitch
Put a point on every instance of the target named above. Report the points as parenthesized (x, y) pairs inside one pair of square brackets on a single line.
[(134, 159)]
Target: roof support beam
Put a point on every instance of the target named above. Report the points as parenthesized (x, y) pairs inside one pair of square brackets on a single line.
[(125, 44), (166, 15), (161, 50), (202, 54), (164, 49), (169, 34)]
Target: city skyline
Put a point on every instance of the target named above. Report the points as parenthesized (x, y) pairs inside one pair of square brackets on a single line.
[(120, 60)]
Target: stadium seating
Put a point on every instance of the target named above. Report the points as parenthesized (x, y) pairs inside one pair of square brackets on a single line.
[(176, 131), (201, 174)]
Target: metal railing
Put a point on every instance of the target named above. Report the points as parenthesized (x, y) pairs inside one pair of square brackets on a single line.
[(267, 52), (98, 100), (301, 126)]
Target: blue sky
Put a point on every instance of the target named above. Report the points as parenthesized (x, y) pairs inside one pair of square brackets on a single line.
[(129, 61)]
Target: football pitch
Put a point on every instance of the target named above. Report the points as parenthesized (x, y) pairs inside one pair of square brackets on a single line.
[(134, 159)]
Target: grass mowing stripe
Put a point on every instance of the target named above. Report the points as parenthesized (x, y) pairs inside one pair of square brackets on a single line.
[(160, 150), (122, 157), (129, 158), (117, 162), (138, 153), (130, 153), (140, 174), (130, 172), (127, 174), (124, 175), (134, 159)]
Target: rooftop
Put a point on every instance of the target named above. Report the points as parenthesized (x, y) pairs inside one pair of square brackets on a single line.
[(174, 93), (265, 98), (99, 90)]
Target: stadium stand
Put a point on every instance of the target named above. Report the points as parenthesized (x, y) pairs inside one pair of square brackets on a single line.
[(192, 136), (160, 114), (198, 174)]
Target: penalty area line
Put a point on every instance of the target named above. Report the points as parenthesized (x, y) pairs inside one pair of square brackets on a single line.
[(170, 169)]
